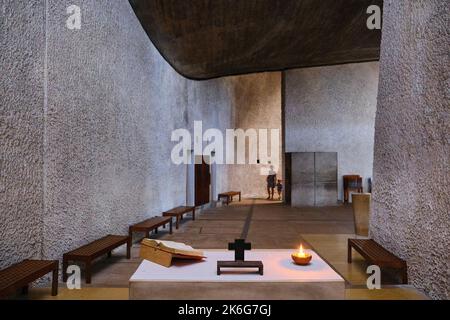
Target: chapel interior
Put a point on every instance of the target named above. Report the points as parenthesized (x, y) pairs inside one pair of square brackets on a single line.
[(88, 115)]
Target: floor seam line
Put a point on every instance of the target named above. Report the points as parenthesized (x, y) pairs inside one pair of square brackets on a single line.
[(248, 221)]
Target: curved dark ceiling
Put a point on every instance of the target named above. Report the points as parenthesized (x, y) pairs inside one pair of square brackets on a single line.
[(205, 39)]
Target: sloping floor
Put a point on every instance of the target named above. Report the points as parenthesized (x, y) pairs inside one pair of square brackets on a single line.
[(267, 225)]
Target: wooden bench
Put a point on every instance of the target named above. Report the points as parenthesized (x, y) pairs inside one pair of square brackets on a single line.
[(151, 224), (94, 250), (20, 275), (179, 212), (229, 196), (375, 254)]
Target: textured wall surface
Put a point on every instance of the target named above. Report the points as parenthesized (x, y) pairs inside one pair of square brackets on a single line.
[(332, 109), (210, 103), (113, 103), (94, 155), (411, 200), (256, 105), (21, 129)]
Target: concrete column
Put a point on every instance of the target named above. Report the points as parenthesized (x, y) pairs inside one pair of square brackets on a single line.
[(411, 162)]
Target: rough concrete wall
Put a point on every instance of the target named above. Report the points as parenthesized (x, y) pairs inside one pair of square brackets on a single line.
[(411, 198), (113, 103), (257, 105), (249, 101), (94, 156), (21, 129), (332, 109), (116, 101), (210, 102)]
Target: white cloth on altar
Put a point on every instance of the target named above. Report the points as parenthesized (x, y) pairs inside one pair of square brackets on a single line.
[(278, 267)]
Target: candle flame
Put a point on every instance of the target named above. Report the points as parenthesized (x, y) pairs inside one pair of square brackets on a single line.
[(301, 253)]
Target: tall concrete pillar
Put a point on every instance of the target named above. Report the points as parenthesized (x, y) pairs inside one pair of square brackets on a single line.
[(411, 208)]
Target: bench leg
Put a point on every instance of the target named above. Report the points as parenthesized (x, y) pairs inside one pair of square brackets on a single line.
[(88, 272), (129, 243), (170, 226), (147, 234), (193, 214), (64, 269), (25, 289), (55, 282), (239, 197), (156, 230), (109, 254), (349, 253), (178, 223), (405, 275)]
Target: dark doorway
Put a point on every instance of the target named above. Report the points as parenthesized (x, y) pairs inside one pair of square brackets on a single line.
[(202, 182), (287, 178)]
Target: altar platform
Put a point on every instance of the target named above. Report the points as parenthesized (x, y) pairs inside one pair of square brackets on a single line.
[(282, 279)]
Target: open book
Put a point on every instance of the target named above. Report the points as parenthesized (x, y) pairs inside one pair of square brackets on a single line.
[(162, 252)]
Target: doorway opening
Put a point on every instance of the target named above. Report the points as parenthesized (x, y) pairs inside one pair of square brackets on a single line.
[(202, 181)]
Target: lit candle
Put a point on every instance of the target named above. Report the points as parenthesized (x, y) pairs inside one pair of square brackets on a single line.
[(301, 253), (301, 257)]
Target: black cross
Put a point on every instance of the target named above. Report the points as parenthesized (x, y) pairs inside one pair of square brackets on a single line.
[(239, 246)]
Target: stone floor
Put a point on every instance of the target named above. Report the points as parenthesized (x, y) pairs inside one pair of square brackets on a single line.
[(266, 224)]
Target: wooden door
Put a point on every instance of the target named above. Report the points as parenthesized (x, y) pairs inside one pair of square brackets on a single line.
[(202, 183)]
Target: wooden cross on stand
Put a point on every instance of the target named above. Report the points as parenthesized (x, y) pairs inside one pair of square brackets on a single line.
[(239, 246)]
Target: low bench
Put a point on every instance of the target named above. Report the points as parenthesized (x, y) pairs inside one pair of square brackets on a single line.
[(229, 196), (20, 275), (150, 225), (179, 212), (94, 250), (375, 254)]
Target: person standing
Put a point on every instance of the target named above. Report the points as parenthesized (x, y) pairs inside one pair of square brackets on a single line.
[(279, 188), (271, 178)]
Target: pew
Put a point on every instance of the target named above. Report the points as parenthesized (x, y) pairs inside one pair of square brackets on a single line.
[(179, 212), (93, 250), (150, 225), (229, 196), (375, 254), (20, 275)]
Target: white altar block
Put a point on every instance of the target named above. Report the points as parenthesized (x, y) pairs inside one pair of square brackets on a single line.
[(282, 279)]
